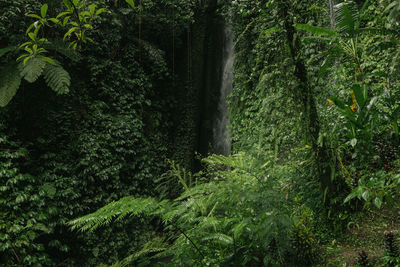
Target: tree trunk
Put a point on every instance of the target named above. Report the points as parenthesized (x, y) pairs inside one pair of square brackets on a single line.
[(332, 14), (304, 93)]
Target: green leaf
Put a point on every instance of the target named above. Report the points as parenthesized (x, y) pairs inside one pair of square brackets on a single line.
[(272, 30), (352, 195), (63, 14), (49, 189), (378, 202), (92, 8), (29, 50), (67, 4), (32, 36), (54, 20), (47, 59), (26, 59), (22, 56), (65, 20), (101, 10), (34, 16), (353, 142), (43, 10), (131, 3), (365, 195), (73, 23), (33, 69), (88, 26), (30, 28), (10, 80), (25, 44), (69, 32), (360, 95)]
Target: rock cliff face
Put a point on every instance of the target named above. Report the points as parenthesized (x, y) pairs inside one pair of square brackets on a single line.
[(201, 66)]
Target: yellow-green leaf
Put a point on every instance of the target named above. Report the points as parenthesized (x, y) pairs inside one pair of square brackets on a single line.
[(43, 10), (131, 3)]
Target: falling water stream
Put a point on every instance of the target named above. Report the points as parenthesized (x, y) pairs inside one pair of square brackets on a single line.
[(221, 131)]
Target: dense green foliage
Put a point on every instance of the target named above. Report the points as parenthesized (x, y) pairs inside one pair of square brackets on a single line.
[(105, 104), (108, 138)]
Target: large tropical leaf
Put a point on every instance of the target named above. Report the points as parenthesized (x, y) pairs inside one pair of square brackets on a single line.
[(10, 79), (347, 16)]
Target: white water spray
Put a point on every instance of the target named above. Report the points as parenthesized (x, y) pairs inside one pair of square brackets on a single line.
[(221, 131)]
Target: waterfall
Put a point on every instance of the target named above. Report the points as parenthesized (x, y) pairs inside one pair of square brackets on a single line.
[(221, 130)]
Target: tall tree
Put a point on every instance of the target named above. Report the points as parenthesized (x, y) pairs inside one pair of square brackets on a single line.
[(305, 95), (332, 13)]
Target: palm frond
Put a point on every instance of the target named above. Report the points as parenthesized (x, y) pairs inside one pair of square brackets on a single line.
[(347, 17), (10, 79), (316, 30)]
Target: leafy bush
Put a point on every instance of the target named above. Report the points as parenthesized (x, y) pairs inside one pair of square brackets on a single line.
[(24, 215)]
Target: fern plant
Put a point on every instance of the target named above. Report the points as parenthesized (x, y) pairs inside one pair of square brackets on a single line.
[(239, 216)]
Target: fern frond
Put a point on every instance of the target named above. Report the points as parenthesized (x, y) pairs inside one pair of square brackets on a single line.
[(57, 78), (33, 69), (155, 246), (316, 30), (239, 161), (118, 210), (220, 238), (10, 79)]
